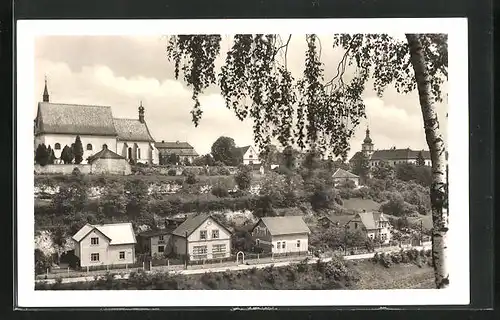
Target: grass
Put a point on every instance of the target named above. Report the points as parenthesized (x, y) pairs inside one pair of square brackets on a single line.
[(361, 204)]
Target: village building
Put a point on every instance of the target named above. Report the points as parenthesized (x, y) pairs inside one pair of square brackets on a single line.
[(374, 224), (180, 148), (342, 176), (108, 244), (58, 124), (392, 156), (250, 156), (201, 237), (281, 235), (109, 162), (157, 242)]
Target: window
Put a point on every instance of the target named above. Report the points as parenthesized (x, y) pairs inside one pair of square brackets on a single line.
[(57, 146), (89, 146), (298, 243), (138, 153), (383, 236), (161, 249), (278, 245), (218, 248), (94, 241), (200, 252), (215, 234), (250, 162), (161, 238), (250, 156), (122, 255), (283, 245), (257, 242), (355, 225), (94, 257), (203, 235)]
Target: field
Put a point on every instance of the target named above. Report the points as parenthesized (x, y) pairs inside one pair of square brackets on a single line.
[(361, 204)]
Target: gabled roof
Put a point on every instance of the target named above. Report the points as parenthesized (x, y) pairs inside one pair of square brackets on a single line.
[(117, 233), (285, 225), (243, 150), (370, 219), (342, 219), (75, 119), (155, 233), (173, 145), (132, 130), (192, 223), (341, 173), (105, 154), (356, 156)]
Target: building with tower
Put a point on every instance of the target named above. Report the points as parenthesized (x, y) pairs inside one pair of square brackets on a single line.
[(392, 156), (58, 124)]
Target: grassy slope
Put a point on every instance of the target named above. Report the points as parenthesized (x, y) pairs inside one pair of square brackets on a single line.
[(361, 204)]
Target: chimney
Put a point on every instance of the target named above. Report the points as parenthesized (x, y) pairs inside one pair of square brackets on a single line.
[(163, 141), (141, 113)]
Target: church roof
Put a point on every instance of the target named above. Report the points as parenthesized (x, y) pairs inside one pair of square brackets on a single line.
[(132, 130), (399, 154), (105, 154), (75, 119)]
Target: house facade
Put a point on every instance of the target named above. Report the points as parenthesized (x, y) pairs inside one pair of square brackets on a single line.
[(250, 156), (374, 224), (201, 237), (281, 235), (341, 176), (181, 148), (109, 244), (58, 124), (392, 156), (156, 242)]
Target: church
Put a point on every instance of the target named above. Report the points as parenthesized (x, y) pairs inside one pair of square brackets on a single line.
[(58, 124), (392, 156)]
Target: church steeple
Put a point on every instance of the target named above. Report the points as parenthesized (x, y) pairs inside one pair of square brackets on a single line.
[(367, 146), (141, 113), (46, 92)]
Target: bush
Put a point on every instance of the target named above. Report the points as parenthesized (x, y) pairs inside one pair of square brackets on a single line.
[(191, 178), (220, 191), (243, 177), (172, 172), (76, 172)]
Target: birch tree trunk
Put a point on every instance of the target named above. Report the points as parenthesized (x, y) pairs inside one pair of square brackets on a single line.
[(438, 192)]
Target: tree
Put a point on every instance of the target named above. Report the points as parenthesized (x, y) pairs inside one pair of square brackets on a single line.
[(361, 167), (382, 170), (52, 156), (77, 148), (67, 155), (270, 156), (224, 150), (243, 177), (420, 159), (289, 158), (172, 158), (187, 162), (41, 155), (322, 114)]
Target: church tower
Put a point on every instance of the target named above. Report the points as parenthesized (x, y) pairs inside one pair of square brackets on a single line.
[(141, 113), (46, 92), (367, 146)]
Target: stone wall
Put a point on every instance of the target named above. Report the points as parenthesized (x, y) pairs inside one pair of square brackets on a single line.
[(111, 166), (62, 168)]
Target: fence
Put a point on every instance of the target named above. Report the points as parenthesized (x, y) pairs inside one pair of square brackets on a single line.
[(89, 271)]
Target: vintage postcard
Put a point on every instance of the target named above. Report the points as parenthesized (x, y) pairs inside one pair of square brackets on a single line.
[(242, 162)]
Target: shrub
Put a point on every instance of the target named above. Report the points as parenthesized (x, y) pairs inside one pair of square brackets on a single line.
[(220, 191), (76, 172), (191, 178), (243, 177), (172, 172)]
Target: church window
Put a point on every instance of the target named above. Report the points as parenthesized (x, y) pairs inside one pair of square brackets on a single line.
[(89, 146), (104, 146), (138, 153), (57, 146)]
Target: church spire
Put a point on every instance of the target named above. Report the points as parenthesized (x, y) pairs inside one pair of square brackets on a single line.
[(46, 92), (367, 138), (141, 113)]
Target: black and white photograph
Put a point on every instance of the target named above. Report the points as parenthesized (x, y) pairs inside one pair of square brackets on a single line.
[(222, 164)]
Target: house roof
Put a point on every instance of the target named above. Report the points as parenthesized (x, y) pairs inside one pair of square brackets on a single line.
[(356, 156), (285, 225), (192, 223), (173, 145), (132, 130), (243, 150), (370, 219), (342, 220), (117, 233), (154, 233), (398, 154), (75, 119), (341, 173), (105, 153)]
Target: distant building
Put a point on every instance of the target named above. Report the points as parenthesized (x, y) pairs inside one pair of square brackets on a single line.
[(201, 237), (392, 156), (183, 149), (374, 224), (288, 234), (250, 156), (109, 162), (58, 124), (108, 244), (341, 176), (158, 242)]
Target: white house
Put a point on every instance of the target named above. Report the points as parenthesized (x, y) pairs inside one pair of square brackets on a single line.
[(250, 155), (201, 237), (289, 234), (108, 244), (374, 224), (58, 125), (341, 176)]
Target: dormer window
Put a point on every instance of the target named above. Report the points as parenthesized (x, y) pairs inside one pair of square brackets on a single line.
[(89, 147), (57, 146)]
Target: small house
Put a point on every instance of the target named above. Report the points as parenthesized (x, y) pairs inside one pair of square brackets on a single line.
[(374, 224), (157, 242), (328, 221), (109, 162), (288, 234), (201, 237), (250, 156), (108, 244), (342, 176)]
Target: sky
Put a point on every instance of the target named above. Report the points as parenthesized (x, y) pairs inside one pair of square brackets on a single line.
[(121, 71)]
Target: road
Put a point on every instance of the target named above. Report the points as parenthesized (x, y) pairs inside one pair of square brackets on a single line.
[(233, 267)]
